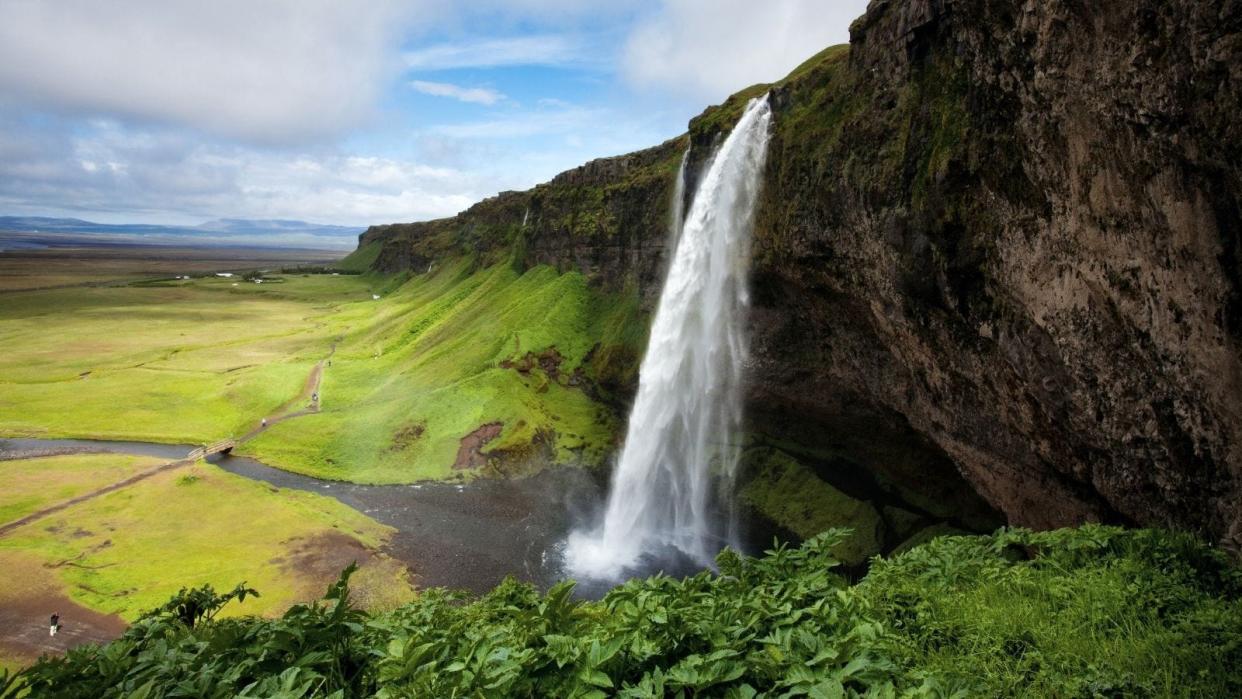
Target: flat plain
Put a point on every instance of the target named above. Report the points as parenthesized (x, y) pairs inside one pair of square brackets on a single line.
[(78, 265)]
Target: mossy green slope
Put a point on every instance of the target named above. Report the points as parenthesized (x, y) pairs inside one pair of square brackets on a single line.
[(360, 260), (450, 352), (791, 495)]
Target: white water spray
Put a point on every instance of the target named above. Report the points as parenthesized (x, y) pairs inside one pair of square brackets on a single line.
[(680, 439)]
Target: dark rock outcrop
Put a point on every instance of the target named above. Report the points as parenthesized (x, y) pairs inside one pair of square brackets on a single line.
[(607, 219), (1022, 240), (999, 239)]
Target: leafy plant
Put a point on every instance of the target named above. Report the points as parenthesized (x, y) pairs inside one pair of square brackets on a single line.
[(1088, 612)]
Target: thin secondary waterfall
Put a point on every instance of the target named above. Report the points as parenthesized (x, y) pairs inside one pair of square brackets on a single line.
[(680, 441), (676, 211)]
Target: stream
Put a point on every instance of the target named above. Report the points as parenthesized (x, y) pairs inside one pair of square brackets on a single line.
[(464, 536)]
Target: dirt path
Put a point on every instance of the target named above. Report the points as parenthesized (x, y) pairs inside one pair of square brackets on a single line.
[(25, 624), (309, 398), (40, 514), (23, 620)]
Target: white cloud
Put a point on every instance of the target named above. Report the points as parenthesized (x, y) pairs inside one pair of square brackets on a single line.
[(709, 49), (179, 110), (534, 50), (272, 71), (165, 175), (356, 189), (476, 95)]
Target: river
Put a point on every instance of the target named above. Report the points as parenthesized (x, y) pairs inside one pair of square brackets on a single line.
[(464, 536)]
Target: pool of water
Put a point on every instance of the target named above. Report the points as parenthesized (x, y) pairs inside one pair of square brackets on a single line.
[(468, 536)]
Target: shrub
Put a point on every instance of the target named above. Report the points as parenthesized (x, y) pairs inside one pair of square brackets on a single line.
[(1089, 612)]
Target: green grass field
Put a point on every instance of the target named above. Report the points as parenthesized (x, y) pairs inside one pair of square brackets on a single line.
[(33, 484), (433, 359), (192, 362), (132, 548)]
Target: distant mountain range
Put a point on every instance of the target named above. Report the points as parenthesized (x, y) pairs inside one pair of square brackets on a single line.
[(40, 231)]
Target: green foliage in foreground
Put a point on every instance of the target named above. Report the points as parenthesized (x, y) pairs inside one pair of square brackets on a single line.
[(1092, 612)]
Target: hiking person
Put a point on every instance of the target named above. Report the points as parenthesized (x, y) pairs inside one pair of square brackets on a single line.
[(263, 422), (55, 625)]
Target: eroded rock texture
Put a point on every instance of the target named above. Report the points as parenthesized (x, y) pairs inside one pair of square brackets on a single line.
[(1021, 237)]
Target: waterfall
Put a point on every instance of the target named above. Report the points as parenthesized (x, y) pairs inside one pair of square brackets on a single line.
[(680, 441), (676, 212)]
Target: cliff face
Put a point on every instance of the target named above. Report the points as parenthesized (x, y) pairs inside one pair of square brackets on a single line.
[(998, 239), (1022, 238), (607, 219)]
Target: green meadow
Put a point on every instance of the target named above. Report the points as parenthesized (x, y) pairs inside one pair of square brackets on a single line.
[(124, 552), (408, 368), (33, 484), (189, 362), (412, 373)]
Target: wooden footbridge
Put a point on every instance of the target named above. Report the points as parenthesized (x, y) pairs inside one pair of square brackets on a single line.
[(223, 446)]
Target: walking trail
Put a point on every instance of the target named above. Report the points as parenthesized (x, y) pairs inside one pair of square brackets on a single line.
[(24, 619)]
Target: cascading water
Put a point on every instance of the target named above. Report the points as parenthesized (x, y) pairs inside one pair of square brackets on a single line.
[(680, 439), (676, 211)]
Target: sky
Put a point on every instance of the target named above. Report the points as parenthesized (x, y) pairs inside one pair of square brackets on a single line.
[(362, 112)]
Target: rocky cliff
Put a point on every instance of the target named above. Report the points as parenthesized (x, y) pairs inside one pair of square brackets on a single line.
[(999, 241), (607, 219)]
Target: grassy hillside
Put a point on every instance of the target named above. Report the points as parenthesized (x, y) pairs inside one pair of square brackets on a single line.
[(526, 361), (360, 260), (1093, 612), (446, 354)]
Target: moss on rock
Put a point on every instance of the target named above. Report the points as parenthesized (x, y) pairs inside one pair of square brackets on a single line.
[(901, 522), (791, 495)]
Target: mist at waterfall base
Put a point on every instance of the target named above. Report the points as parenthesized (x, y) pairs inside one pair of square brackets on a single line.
[(670, 504)]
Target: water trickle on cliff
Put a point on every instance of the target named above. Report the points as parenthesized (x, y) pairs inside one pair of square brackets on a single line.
[(676, 211), (672, 487)]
